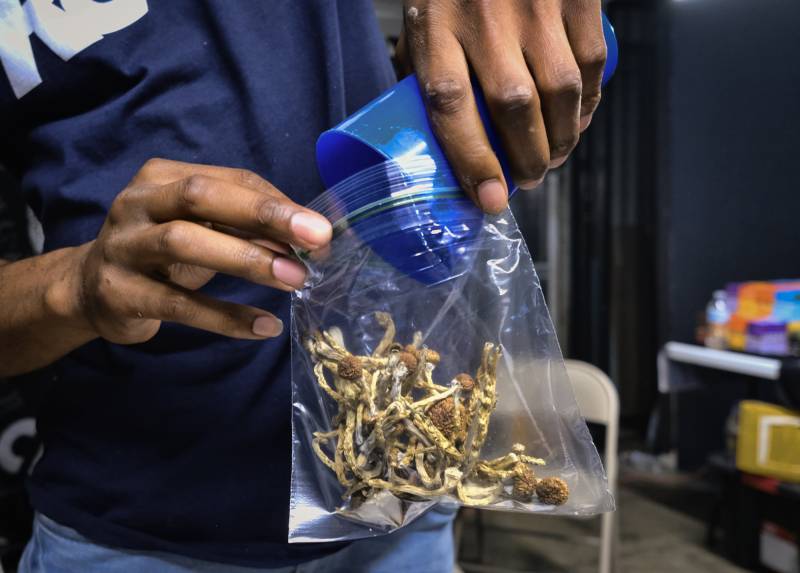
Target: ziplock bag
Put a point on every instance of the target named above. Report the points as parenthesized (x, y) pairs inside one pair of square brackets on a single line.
[(425, 367)]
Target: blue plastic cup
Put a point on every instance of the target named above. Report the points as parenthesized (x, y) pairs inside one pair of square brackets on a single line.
[(394, 127)]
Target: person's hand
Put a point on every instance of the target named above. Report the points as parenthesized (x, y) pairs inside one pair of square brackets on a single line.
[(170, 231), (540, 65)]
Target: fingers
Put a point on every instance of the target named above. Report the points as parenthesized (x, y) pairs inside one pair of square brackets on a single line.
[(513, 103), (164, 171), (585, 32), (443, 77), (275, 246), (191, 244), (558, 79), (200, 197), (152, 299)]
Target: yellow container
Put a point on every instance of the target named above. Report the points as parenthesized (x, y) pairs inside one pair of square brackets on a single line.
[(768, 443)]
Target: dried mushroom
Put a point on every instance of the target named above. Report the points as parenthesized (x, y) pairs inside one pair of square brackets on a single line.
[(443, 415), (396, 429), (524, 484), (552, 491), (466, 381), (349, 368)]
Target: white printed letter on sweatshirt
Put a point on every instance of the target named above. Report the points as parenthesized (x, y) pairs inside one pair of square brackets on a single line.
[(65, 26)]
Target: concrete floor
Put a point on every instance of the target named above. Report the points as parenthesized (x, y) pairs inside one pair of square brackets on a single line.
[(654, 539)]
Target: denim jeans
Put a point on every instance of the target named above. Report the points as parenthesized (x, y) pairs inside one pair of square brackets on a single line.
[(424, 546)]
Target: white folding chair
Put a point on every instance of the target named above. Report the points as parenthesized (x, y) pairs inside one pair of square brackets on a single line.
[(599, 403)]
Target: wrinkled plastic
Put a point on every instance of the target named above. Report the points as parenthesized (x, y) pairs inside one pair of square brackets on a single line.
[(485, 290), (411, 213)]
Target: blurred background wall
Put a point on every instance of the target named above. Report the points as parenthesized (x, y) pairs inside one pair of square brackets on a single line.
[(730, 197)]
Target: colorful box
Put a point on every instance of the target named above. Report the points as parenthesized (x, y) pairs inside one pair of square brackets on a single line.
[(762, 317), (767, 337)]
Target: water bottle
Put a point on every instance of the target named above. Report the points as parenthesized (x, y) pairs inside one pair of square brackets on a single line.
[(717, 316)]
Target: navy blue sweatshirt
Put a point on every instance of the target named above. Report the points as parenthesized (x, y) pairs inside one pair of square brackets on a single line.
[(181, 444)]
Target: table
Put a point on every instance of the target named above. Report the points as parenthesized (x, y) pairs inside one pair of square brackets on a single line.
[(718, 379), (746, 505)]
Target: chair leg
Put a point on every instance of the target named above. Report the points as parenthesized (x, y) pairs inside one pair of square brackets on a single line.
[(607, 542), (458, 530), (615, 543), (479, 533)]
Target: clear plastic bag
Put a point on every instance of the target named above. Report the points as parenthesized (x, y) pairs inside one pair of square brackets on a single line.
[(458, 294)]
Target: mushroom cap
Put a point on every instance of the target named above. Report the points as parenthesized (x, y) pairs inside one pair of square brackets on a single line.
[(409, 359), (524, 483), (466, 381), (432, 357), (411, 349), (552, 491), (442, 415), (349, 368)]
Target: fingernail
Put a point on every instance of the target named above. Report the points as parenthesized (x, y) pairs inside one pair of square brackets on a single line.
[(289, 272), (313, 229), (530, 184), (585, 121), (492, 196), (558, 162), (267, 326)]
